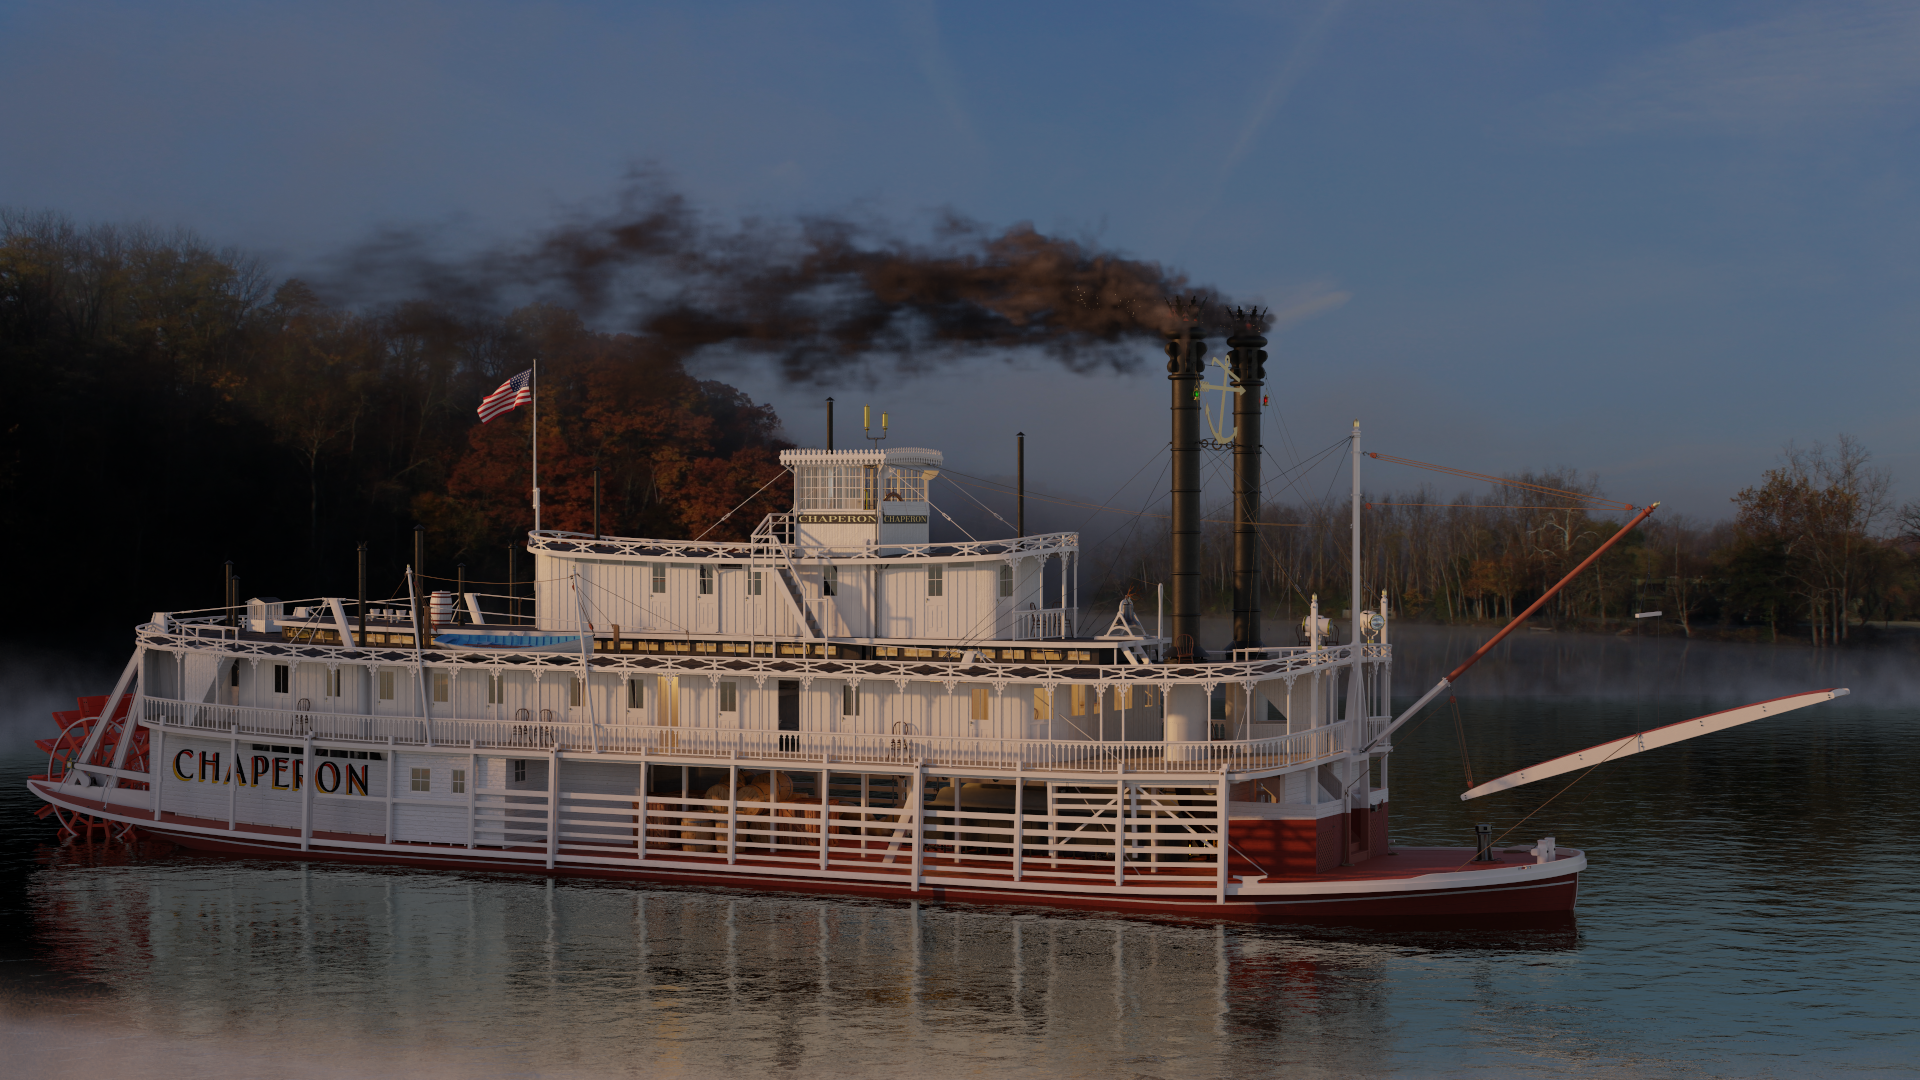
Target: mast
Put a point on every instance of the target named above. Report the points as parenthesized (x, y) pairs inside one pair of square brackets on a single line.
[(536, 444)]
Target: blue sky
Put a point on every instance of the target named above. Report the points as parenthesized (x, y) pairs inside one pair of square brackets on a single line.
[(1653, 241)]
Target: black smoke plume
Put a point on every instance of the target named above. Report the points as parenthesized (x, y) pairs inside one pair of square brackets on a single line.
[(821, 297)]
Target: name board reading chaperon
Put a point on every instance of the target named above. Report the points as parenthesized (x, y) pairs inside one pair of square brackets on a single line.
[(837, 519), (903, 519), (274, 772)]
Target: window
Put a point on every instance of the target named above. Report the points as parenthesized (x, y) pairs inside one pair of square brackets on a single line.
[(573, 689), (1006, 579), (835, 487), (850, 700), (753, 583), (386, 685), (729, 697), (659, 579), (280, 678), (440, 681), (520, 771), (979, 696), (706, 581), (906, 483), (459, 781), (1078, 705), (829, 580), (333, 683), (1042, 703), (493, 689), (936, 581), (422, 779), (637, 694), (233, 674)]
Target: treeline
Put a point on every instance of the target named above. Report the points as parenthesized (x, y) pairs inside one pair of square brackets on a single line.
[(1812, 551), (171, 406)]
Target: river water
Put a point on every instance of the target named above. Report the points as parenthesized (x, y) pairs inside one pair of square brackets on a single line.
[(1750, 911)]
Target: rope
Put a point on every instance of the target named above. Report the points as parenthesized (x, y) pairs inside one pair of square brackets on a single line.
[(723, 517)]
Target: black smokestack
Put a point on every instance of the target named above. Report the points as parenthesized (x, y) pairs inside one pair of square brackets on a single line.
[(1186, 365), (1248, 361)]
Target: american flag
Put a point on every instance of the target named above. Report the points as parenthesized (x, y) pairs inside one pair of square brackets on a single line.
[(512, 394)]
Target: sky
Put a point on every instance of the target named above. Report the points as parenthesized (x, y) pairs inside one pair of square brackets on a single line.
[(1650, 241)]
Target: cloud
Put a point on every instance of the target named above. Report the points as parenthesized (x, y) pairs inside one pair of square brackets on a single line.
[(1818, 65)]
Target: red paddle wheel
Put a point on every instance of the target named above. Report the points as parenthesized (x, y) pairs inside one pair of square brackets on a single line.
[(76, 725)]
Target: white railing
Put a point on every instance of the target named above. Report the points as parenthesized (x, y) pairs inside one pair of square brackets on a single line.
[(798, 747), (777, 530), (724, 665), (1038, 625)]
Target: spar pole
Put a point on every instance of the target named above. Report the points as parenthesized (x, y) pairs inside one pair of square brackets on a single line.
[(1454, 675)]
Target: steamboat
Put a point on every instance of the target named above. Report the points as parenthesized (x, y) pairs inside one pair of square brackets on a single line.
[(837, 704)]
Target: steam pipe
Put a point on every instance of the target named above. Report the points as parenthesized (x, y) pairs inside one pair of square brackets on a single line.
[(1248, 359), (1186, 364), (362, 596), (419, 574), (829, 424)]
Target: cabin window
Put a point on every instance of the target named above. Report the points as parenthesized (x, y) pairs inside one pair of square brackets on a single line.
[(936, 581), (422, 779), (1042, 703), (979, 696), (573, 689), (280, 678), (835, 487), (829, 580), (850, 700), (1006, 580), (706, 581), (636, 694), (459, 781), (520, 771), (753, 583), (906, 483), (333, 683), (729, 697), (659, 579), (440, 681), (493, 689), (233, 674), (386, 685)]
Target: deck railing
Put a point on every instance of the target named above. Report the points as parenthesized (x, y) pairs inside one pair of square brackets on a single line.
[(797, 747)]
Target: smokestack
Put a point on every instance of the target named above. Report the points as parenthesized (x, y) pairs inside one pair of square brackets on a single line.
[(1020, 483), (1186, 365), (1248, 361)]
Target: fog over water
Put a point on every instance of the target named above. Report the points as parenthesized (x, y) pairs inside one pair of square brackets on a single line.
[(1748, 912)]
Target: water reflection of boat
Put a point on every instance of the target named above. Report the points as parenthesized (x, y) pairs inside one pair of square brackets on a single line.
[(838, 704)]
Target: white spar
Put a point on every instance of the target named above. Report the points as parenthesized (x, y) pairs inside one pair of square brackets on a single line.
[(1655, 738)]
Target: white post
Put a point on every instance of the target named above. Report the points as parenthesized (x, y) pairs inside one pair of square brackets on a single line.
[(1355, 695), (390, 782), (306, 796), (553, 806), (233, 788), (1019, 825), (919, 820), (153, 768), (1220, 811), (733, 809)]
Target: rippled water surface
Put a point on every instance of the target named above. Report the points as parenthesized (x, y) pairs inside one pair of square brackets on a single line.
[(1750, 911)]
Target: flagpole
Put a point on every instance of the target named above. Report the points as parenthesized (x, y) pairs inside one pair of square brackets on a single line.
[(536, 444)]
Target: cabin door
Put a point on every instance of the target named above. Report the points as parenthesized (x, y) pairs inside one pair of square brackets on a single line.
[(706, 601), (789, 713), (666, 707)]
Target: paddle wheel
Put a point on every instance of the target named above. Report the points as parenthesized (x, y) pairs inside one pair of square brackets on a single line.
[(76, 725)]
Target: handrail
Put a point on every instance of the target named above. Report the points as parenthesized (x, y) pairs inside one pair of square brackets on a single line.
[(587, 544), (725, 743), (734, 665)]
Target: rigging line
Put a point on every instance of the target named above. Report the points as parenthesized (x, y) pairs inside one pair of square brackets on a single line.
[(1132, 526), (1460, 730), (1134, 513), (743, 502), (1583, 775), (1603, 503), (1123, 487), (1299, 471), (1472, 506), (950, 521), (970, 495)]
